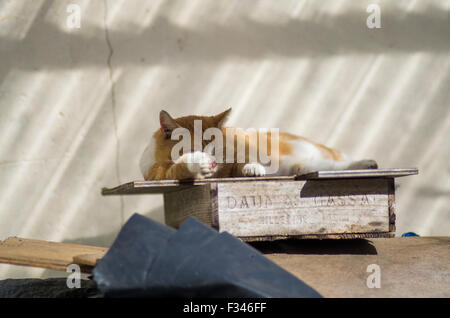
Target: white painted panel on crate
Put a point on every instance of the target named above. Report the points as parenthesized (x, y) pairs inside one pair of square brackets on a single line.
[(303, 207)]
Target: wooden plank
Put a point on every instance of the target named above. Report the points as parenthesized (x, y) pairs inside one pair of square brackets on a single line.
[(339, 268), (140, 187), (194, 201), (311, 207), (391, 203), (37, 253), (163, 186), (88, 259), (366, 173), (333, 236)]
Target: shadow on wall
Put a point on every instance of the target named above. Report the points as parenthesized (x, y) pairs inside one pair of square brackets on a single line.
[(165, 42), (105, 240)]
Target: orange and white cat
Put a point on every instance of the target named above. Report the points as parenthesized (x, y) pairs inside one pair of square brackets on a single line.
[(295, 155)]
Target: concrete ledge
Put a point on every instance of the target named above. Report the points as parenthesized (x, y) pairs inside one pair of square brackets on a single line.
[(409, 267)]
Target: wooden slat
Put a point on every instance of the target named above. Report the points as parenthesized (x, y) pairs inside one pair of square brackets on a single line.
[(366, 173), (88, 259), (195, 201), (163, 186), (52, 255), (138, 187)]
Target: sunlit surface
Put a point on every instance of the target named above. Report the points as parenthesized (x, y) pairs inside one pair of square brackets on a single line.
[(76, 112)]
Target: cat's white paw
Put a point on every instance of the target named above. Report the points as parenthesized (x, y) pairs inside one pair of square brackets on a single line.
[(200, 164), (253, 169), (299, 169), (364, 164)]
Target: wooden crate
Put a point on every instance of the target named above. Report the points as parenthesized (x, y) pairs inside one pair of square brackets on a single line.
[(323, 204)]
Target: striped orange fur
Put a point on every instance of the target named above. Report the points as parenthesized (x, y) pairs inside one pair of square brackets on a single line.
[(293, 155)]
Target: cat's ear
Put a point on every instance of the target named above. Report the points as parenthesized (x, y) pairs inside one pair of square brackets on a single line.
[(221, 118), (168, 124)]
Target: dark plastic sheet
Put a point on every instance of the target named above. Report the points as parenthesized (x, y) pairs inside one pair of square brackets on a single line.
[(149, 259)]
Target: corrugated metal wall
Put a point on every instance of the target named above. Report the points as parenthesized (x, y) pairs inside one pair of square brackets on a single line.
[(77, 106)]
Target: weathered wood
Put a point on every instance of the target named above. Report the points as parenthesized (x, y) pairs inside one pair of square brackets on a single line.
[(272, 210), (391, 203), (52, 255), (335, 236), (192, 201), (88, 259), (163, 186), (363, 173), (146, 187), (267, 209), (322, 204)]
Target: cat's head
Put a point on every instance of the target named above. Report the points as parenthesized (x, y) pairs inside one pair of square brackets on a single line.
[(169, 125)]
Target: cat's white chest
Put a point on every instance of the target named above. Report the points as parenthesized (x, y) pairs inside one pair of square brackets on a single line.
[(148, 157)]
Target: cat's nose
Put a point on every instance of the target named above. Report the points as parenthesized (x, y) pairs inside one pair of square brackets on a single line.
[(213, 165)]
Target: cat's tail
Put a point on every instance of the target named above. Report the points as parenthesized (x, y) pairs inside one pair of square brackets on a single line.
[(363, 164)]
